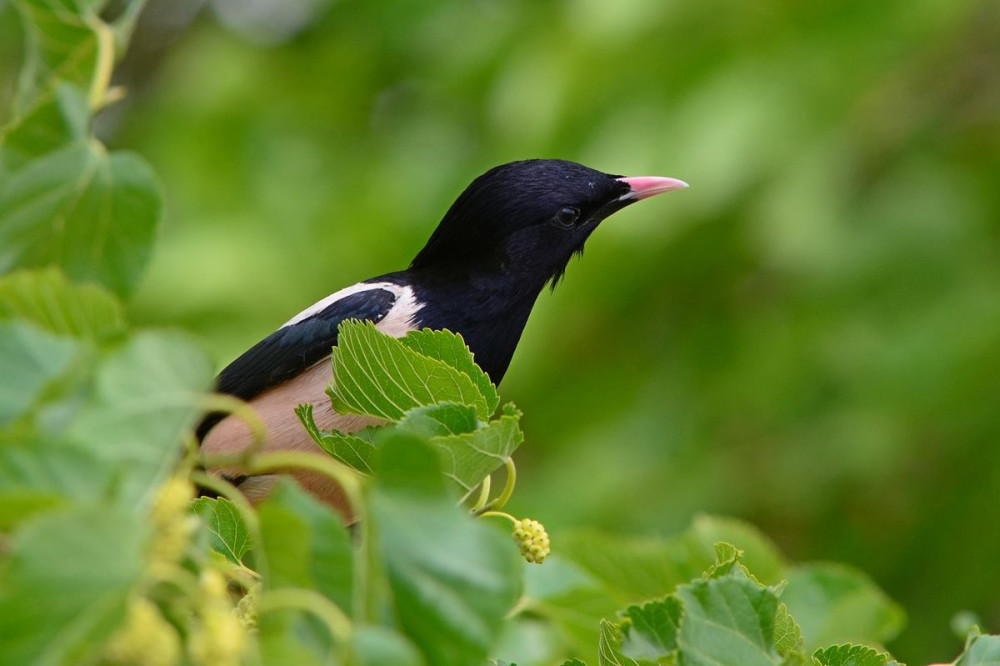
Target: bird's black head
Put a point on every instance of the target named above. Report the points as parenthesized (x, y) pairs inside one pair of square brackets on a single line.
[(527, 219)]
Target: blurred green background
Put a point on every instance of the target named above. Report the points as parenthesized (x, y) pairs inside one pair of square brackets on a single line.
[(808, 338)]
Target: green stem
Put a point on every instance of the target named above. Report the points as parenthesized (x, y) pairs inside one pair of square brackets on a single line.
[(508, 490), (484, 495), (498, 514), (105, 63)]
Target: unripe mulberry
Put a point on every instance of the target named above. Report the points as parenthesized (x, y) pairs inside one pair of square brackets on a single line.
[(532, 539)]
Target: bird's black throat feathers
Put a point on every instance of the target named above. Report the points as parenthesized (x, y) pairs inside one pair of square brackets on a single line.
[(511, 232), (514, 229)]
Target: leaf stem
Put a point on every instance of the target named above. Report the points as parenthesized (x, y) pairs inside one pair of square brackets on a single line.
[(105, 63), (508, 488), (484, 495), (498, 514)]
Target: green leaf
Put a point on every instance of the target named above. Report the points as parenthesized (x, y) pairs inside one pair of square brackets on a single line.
[(146, 395), (38, 473), (62, 119), (787, 633), (651, 632), (633, 569), (377, 375), (92, 213), (380, 646), (453, 579), (638, 569), (835, 603), (759, 554), (355, 450), (290, 637), (609, 647), (64, 582), (48, 300), (571, 600), (980, 651), (31, 358), (470, 457), (451, 348), (852, 655), (223, 521), (63, 41), (727, 620), (306, 544), (439, 420), (119, 435)]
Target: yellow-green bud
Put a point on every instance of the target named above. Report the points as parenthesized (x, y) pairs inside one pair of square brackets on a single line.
[(246, 609), (145, 639), (172, 523), (218, 639), (532, 539), (174, 497)]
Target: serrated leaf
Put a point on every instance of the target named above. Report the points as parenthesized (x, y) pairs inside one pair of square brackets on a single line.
[(787, 633), (229, 533), (64, 583), (377, 375), (835, 603), (439, 420), (50, 301), (452, 578), (471, 457), (727, 556), (451, 348), (31, 358), (852, 655), (981, 651), (759, 553), (609, 647), (651, 632), (306, 544), (727, 620), (356, 450)]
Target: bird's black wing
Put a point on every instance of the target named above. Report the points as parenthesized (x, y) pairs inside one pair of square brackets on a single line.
[(295, 347)]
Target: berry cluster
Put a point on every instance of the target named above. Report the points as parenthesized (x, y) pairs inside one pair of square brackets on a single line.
[(532, 539)]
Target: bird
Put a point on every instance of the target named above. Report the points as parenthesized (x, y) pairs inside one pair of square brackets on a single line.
[(510, 233)]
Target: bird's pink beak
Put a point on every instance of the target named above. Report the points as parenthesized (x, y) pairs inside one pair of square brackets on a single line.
[(643, 187)]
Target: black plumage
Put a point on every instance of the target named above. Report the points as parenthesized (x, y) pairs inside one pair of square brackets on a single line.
[(295, 347), (512, 231)]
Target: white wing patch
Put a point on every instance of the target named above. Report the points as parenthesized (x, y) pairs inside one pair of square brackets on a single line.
[(400, 318), (276, 405)]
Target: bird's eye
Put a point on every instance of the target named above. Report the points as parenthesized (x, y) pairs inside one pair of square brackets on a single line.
[(567, 217)]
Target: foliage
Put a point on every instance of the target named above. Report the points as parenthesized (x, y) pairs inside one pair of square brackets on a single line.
[(806, 338), (107, 558)]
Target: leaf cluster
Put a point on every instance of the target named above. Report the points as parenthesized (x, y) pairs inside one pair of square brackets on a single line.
[(106, 557)]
